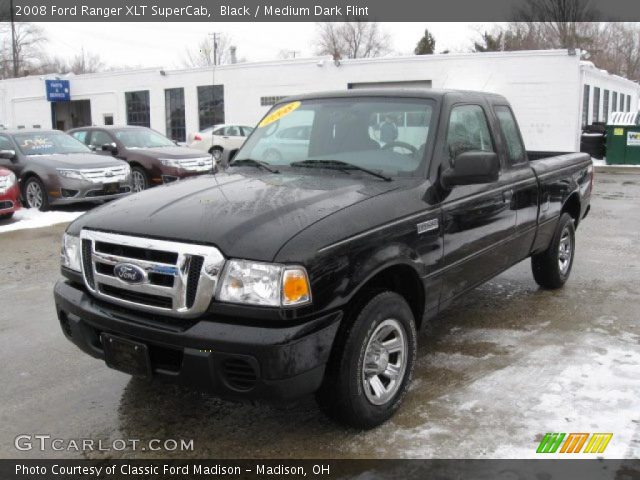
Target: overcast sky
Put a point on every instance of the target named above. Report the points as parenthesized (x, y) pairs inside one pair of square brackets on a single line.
[(164, 44)]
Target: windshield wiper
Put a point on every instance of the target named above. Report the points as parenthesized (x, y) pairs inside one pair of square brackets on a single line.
[(254, 163), (339, 165)]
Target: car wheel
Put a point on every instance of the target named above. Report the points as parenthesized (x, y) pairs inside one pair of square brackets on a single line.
[(6, 216), (272, 156), (217, 153), (139, 179), (35, 195), (372, 363), (552, 268)]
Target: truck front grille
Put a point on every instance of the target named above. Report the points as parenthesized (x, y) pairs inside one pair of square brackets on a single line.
[(172, 278)]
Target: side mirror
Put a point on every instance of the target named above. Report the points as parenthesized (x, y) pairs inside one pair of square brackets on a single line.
[(110, 147), (8, 154), (472, 167)]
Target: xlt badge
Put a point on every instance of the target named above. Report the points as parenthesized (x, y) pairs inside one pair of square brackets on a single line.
[(428, 226)]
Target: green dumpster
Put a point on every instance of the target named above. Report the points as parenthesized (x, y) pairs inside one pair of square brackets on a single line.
[(623, 140)]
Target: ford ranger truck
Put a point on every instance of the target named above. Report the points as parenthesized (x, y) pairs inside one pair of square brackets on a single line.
[(314, 274)]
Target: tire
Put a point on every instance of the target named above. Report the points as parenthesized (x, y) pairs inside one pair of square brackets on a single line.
[(139, 179), (217, 153), (6, 216), (35, 195), (347, 393), (552, 268)]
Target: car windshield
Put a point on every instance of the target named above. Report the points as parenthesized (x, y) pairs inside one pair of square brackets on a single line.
[(388, 136), (142, 138), (49, 143)]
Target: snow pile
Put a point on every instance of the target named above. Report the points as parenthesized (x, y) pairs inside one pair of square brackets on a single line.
[(31, 218)]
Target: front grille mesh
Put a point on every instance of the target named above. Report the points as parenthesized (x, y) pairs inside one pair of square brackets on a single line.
[(87, 264), (192, 279), (137, 297)]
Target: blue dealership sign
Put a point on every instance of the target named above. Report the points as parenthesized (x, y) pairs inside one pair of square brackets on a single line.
[(58, 90)]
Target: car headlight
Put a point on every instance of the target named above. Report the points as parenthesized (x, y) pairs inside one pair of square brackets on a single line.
[(70, 254), (6, 182), (170, 162), (67, 173), (264, 284)]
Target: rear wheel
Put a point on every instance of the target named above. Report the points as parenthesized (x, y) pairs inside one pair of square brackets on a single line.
[(139, 179), (552, 268), (372, 363), (35, 195)]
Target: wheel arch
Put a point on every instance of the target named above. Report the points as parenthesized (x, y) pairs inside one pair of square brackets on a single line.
[(572, 207)]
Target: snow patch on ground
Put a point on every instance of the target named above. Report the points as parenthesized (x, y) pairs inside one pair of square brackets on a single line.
[(31, 218)]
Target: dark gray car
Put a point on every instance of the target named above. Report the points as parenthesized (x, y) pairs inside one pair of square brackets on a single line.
[(54, 168)]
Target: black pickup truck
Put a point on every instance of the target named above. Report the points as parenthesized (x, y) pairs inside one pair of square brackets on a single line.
[(314, 271)]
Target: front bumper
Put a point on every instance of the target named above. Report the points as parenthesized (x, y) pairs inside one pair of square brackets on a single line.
[(10, 201), (231, 360), (72, 191)]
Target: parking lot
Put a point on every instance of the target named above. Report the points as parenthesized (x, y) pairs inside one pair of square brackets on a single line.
[(499, 369)]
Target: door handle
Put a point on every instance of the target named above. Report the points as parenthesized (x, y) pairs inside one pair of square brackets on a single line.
[(507, 195)]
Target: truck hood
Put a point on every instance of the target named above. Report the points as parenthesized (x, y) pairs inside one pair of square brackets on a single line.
[(245, 214), (74, 160), (169, 152)]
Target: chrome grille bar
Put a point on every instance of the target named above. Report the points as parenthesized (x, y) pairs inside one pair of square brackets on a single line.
[(191, 292)]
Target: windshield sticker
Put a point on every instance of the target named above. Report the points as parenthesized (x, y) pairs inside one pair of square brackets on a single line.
[(36, 143), (278, 114)]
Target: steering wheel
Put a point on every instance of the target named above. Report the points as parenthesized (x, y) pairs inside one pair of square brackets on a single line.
[(405, 145)]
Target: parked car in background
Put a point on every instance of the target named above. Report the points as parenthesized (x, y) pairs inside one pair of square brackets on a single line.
[(154, 158), (54, 169), (220, 139), (9, 194), (287, 144)]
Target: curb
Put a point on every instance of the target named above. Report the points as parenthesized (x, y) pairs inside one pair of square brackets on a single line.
[(630, 170)]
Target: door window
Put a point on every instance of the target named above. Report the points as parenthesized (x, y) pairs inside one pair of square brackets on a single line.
[(468, 130), (99, 138), (5, 143), (82, 136), (233, 131), (509, 127)]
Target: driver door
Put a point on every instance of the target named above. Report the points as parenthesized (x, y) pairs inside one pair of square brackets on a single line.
[(478, 219)]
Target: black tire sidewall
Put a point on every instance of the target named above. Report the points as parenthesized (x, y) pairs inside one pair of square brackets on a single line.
[(381, 307), (565, 220)]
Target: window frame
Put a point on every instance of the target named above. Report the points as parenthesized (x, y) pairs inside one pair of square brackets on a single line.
[(138, 112), (92, 133)]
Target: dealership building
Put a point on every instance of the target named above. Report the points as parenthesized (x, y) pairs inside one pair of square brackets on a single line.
[(553, 92)]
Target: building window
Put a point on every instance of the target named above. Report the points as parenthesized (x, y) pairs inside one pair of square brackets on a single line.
[(596, 105), (605, 106), (621, 108), (614, 102), (585, 105), (138, 108), (108, 118), (210, 105), (269, 101), (628, 109), (174, 114)]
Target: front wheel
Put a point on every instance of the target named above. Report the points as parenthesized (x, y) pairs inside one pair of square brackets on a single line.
[(35, 195), (139, 179), (552, 268), (217, 153), (372, 363)]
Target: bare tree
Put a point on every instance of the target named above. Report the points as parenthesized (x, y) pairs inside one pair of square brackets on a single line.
[(86, 62), (203, 55), (29, 43), (351, 40)]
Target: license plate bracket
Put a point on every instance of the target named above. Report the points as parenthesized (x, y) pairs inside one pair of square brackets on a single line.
[(111, 188), (126, 355)]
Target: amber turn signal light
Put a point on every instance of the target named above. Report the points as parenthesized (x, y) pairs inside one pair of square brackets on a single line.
[(295, 287)]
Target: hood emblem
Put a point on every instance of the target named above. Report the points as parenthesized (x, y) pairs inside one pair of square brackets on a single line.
[(129, 273), (108, 173)]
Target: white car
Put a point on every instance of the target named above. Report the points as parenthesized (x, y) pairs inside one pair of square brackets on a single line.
[(219, 139)]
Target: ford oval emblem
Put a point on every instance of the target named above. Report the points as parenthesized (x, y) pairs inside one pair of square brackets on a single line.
[(129, 273)]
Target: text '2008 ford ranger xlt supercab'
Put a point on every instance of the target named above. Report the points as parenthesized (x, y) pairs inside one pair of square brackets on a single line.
[(314, 271)]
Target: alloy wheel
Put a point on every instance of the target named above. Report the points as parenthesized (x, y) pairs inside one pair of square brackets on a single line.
[(34, 194), (565, 251)]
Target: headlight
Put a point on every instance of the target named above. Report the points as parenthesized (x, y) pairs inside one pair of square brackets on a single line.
[(264, 284), (70, 254), (170, 162), (6, 182), (127, 170), (76, 174)]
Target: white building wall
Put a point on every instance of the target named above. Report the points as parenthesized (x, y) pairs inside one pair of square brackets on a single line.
[(544, 88)]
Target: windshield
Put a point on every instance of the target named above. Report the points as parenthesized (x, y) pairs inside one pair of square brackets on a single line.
[(142, 138), (49, 143), (384, 135)]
